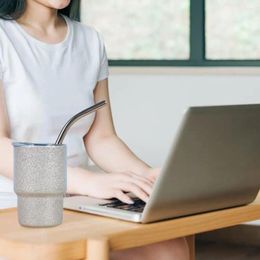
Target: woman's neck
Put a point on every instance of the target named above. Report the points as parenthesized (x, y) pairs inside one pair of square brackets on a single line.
[(39, 16), (43, 22)]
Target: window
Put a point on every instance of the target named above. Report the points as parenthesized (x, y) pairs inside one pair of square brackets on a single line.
[(141, 29), (232, 29), (177, 32)]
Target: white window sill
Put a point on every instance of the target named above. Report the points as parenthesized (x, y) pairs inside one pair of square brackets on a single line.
[(185, 70)]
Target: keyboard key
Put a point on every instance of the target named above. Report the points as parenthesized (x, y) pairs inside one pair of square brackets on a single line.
[(137, 206)]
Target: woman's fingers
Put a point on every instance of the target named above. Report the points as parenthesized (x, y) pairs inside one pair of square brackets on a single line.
[(119, 194), (135, 189), (140, 182), (140, 177), (152, 177), (156, 172), (143, 185)]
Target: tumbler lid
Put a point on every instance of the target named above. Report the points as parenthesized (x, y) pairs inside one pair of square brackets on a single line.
[(18, 144)]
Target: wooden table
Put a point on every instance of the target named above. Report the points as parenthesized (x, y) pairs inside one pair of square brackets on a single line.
[(84, 236)]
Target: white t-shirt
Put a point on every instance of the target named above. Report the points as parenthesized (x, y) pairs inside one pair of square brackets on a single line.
[(45, 84)]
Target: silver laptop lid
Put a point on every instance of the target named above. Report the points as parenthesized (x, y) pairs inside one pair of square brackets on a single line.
[(214, 163)]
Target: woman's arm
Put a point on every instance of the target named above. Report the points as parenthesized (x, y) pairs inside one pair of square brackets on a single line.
[(103, 145), (6, 152), (79, 180), (6, 148)]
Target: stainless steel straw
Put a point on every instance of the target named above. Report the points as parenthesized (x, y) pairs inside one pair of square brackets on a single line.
[(75, 118)]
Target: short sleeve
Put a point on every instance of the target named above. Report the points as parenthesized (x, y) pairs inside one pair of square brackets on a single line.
[(1, 62), (103, 69), (1, 71)]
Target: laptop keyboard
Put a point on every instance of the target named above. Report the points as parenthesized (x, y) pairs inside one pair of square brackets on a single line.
[(137, 206)]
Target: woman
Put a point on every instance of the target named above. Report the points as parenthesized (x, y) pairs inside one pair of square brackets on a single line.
[(51, 67)]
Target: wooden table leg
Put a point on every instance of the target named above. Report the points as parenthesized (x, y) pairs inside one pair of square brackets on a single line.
[(191, 243), (97, 249)]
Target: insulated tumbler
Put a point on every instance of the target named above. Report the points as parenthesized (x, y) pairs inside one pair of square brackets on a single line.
[(40, 182)]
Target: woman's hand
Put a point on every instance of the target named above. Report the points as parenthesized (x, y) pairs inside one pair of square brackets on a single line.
[(152, 173), (114, 185)]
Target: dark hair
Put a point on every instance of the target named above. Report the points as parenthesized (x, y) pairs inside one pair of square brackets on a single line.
[(13, 9)]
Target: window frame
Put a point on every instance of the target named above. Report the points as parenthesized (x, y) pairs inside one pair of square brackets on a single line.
[(197, 47)]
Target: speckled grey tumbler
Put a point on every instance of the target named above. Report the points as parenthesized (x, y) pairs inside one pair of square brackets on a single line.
[(40, 182)]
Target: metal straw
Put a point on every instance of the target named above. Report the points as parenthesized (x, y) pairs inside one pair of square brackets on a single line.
[(75, 118)]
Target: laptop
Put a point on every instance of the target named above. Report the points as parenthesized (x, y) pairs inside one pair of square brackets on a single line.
[(213, 163)]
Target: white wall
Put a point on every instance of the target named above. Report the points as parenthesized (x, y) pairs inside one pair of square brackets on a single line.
[(147, 108)]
